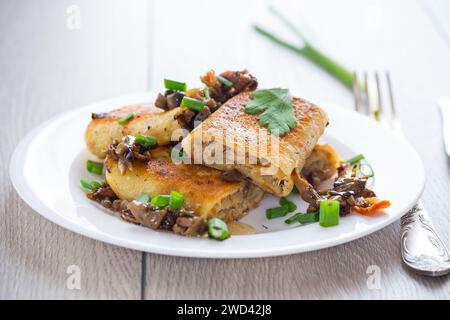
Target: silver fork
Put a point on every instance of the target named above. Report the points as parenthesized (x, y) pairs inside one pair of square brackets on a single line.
[(422, 249)]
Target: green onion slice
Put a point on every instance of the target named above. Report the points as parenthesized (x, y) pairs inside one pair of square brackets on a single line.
[(147, 142), (308, 218), (294, 190), (125, 119), (206, 92), (192, 104), (161, 201), (176, 200), (94, 167), (286, 202), (277, 212), (292, 219), (366, 169), (329, 213), (175, 85), (376, 114), (143, 197), (225, 81), (218, 229), (355, 159), (89, 185), (176, 153), (303, 218)]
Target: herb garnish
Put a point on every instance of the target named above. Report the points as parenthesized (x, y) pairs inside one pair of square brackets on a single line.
[(124, 120), (275, 106)]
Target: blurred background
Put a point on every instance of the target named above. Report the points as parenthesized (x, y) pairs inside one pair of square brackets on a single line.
[(59, 55), (98, 49)]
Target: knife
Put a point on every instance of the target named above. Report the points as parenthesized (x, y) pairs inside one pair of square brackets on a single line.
[(444, 105)]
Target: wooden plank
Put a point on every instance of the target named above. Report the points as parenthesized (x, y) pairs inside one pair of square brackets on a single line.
[(334, 273), (46, 69), (367, 35)]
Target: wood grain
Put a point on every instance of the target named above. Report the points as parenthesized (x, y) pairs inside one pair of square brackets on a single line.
[(373, 35), (46, 69), (334, 273), (122, 47)]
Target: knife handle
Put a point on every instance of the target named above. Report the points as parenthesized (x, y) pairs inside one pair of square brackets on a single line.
[(422, 249)]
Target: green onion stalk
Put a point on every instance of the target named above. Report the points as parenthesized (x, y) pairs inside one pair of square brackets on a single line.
[(309, 52)]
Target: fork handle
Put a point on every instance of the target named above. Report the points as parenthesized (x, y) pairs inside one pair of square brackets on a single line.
[(422, 249)]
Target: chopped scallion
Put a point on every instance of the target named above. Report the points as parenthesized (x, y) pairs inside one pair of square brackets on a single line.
[(366, 169), (161, 201), (89, 185), (176, 153), (143, 197), (206, 92), (176, 200), (355, 159), (193, 104), (376, 114), (225, 81), (286, 202), (277, 212), (308, 218), (175, 85), (125, 119), (292, 219), (303, 218), (94, 167), (329, 213), (218, 229), (147, 142)]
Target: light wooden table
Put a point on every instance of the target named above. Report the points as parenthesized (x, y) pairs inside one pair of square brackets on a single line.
[(129, 46)]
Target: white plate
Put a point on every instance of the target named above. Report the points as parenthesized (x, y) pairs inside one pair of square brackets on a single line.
[(49, 162)]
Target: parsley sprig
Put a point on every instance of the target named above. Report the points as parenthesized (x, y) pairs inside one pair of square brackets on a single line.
[(275, 109)]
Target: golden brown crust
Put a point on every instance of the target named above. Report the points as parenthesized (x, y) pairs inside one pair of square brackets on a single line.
[(293, 148), (205, 192), (148, 120)]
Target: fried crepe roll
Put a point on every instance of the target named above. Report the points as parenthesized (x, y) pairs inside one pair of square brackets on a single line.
[(206, 192), (271, 169), (147, 120), (321, 165)]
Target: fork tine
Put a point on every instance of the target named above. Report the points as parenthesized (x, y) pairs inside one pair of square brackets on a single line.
[(356, 92), (368, 100), (394, 122), (379, 107), (391, 94)]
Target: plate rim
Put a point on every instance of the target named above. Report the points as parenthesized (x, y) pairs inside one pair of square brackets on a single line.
[(38, 206)]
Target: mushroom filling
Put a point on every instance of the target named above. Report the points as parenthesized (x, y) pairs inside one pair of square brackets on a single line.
[(348, 188), (219, 89), (180, 221), (127, 151), (106, 197)]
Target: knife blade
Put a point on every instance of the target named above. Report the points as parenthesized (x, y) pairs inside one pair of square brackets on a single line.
[(444, 106)]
